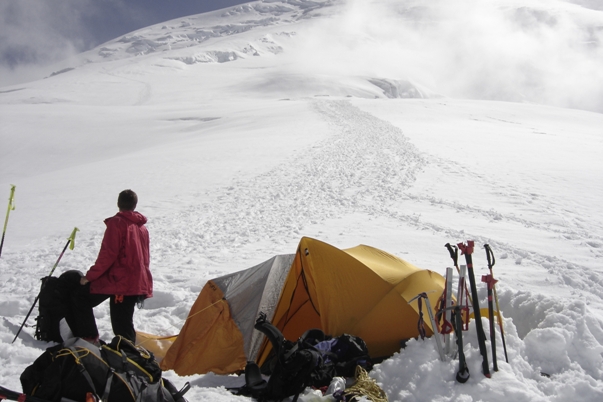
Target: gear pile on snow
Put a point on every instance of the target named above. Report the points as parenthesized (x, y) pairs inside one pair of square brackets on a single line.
[(80, 371), (313, 361)]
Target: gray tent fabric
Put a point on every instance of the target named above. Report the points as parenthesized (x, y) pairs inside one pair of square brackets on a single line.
[(253, 290)]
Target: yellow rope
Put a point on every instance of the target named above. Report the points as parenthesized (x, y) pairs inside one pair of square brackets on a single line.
[(64, 352), (365, 386), (200, 311), (159, 338)]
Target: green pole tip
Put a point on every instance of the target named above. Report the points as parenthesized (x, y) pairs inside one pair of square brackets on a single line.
[(11, 203), (72, 238)]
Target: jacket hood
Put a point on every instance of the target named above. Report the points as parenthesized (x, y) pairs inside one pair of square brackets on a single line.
[(133, 216)]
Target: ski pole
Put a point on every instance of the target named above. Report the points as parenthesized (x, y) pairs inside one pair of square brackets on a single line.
[(11, 206), (491, 262), (467, 250), (463, 374), (490, 281), (70, 244), (461, 306)]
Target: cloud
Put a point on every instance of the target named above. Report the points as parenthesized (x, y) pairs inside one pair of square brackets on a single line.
[(36, 33), (547, 52)]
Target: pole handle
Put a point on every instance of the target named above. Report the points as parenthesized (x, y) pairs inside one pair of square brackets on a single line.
[(454, 253), (490, 256), (467, 249)]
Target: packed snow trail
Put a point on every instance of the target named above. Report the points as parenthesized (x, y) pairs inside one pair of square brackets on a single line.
[(365, 164)]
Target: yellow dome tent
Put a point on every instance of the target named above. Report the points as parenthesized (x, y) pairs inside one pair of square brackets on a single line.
[(360, 291)]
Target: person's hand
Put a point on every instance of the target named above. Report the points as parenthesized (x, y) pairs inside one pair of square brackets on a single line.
[(83, 280)]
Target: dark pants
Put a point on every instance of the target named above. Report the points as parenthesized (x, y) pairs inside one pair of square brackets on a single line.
[(81, 319)]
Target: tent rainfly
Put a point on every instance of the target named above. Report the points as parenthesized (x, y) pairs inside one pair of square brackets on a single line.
[(360, 291)]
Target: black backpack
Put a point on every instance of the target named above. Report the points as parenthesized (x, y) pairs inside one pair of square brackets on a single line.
[(125, 357), (292, 367), (54, 297), (348, 351), (313, 360), (117, 372)]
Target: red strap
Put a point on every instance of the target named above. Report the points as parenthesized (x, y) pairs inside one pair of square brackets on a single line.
[(119, 299), (465, 316), (489, 279), (446, 327)]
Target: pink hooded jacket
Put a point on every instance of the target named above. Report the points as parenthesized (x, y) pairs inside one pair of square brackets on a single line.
[(122, 266)]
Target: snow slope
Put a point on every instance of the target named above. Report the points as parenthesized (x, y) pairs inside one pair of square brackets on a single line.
[(395, 124)]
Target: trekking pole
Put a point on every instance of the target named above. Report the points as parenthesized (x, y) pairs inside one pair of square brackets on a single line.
[(490, 281), (70, 244), (462, 374), (491, 262), (461, 306), (11, 206), (467, 250)]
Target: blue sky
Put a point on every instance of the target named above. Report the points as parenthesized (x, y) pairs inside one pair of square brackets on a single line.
[(36, 33)]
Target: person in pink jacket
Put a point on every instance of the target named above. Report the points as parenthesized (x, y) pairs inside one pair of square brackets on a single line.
[(121, 274)]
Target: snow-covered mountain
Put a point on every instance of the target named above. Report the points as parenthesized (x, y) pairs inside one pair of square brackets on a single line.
[(403, 125)]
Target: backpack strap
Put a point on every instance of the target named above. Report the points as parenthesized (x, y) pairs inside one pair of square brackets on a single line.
[(253, 377), (313, 336), (107, 390), (273, 334), (178, 396), (83, 371)]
